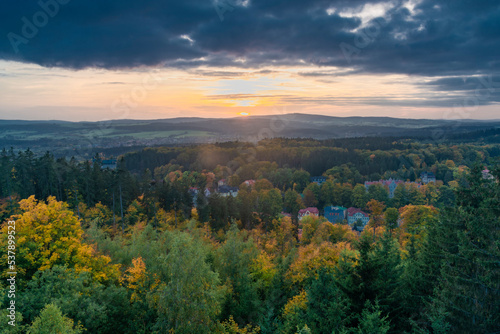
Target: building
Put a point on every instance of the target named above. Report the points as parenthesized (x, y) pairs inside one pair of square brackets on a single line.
[(427, 177), (222, 183), (354, 215), (226, 191), (308, 212), (319, 180), (389, 184), (249, 183), (335, 214), (487, 175)]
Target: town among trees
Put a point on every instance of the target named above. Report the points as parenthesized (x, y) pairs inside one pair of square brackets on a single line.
[(362, 235)]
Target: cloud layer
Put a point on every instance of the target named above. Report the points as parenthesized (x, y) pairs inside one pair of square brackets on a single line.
[(452, 46), (432, 38)]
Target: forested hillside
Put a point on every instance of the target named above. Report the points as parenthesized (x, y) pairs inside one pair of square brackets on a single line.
[(156, 245)]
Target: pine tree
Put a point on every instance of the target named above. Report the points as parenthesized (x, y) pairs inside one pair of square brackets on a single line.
[(372, 321), (327, 306), (468, 295), (387, 285)]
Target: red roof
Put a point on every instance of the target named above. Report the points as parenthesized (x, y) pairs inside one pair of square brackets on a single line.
[(310, 210), (352, 211)]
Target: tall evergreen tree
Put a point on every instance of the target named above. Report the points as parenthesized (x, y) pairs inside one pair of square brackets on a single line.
[(327, 306), (468, 295)]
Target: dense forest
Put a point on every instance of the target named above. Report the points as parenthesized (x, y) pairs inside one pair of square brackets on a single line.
[(131, 249)]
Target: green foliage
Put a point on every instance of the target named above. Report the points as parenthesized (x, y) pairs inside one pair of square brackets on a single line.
[(374, 276), (379, 193), (469, 289), (391, 216), (233, 261), (270, 205), (304, 330), (327, 306), (372, 321), (359, 196), (231, 327), (293, 202), (6, 328), (188, 296), (388, 284), (52, 321), (168, 271), (99, 308)]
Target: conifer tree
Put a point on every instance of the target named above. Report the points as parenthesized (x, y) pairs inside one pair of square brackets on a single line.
[(468, 295), (327, 306)]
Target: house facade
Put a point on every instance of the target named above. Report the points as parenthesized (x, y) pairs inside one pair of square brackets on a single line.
[(354, 215), (308, 212), (226, 191), (335, 214)]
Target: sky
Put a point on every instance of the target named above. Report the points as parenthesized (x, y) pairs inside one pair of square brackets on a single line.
[(98, 60)]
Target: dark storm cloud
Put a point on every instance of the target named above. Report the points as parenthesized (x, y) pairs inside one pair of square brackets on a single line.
[(465, 83), (442, 38), (481, 89), (109, 34)]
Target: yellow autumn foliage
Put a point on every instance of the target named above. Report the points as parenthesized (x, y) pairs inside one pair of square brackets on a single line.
[(293, 312), (49, 234), (231, 327), (263, 269), (295, 304), (415, 220), (135, 278), (311, 258)]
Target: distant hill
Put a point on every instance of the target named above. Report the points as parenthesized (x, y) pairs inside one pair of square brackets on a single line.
[(67, 138)]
